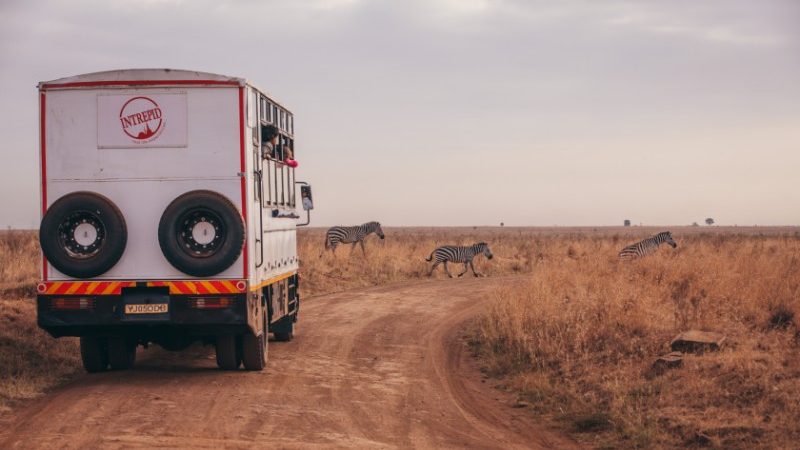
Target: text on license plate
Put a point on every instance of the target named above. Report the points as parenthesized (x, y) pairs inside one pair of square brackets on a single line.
[(150, 308)]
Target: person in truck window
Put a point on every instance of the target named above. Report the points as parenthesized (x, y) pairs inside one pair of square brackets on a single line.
[(269, 141)]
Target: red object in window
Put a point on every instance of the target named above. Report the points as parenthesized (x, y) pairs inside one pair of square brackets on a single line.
[(291, 163)]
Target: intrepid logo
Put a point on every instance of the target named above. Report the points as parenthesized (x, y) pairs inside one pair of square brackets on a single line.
[(141, 119)]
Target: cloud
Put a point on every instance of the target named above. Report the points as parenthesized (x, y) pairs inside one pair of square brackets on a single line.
[(329, 5), (703, 23), (462, 6)]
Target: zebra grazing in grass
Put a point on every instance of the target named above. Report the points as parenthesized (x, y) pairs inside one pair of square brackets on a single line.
[(464, 255), (351, 235), (647, 246)]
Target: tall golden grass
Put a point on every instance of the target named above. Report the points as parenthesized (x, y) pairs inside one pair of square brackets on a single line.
[(578, 339), (30, 360), (19, 263)]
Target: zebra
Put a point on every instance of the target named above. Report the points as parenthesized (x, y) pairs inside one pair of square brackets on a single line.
[(464, 255), (351, 235), (647, 246)]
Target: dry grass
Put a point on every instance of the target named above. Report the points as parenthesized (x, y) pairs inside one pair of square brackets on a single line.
[(19, 263), (401, 256), (578, 340), (575, 341), (30, 360)]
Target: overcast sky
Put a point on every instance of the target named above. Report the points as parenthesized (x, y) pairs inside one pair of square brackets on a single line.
[(464, 112)]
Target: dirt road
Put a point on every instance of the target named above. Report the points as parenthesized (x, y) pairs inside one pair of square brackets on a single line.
[(382, 367)]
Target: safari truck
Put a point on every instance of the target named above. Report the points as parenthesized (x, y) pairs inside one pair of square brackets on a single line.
[(166, 216)]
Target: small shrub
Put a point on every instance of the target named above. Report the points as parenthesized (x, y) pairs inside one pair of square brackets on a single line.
[(591, 422), (780, 317)]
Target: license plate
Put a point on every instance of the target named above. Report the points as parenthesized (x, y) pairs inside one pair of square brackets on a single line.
[(149, 308)]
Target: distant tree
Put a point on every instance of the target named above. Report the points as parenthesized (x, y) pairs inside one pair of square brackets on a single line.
[(627, 222), (709, 221), (695, 224), (502, 224)]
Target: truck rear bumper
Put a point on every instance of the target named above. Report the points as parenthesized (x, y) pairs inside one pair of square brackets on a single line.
[(144, 312)]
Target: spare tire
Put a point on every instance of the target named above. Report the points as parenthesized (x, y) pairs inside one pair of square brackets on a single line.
[(83, 234), (201, 233)]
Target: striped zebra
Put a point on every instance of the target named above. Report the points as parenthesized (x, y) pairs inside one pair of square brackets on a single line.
[(351, 235), (647, 246), (464, 255)]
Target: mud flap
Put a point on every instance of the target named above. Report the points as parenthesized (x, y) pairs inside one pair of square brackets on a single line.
[(283, 325)]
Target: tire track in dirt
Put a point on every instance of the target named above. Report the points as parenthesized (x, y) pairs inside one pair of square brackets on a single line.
[(382, 367)]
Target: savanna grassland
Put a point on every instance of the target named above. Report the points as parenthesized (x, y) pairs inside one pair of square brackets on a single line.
[(575, 340), (579, 340)]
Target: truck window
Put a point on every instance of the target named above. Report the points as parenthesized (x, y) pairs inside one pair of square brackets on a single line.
[(263, 108), (252, 108), (268, 111), (277, 183)]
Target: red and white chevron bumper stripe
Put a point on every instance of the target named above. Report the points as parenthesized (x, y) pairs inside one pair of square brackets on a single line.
[(115, 287)]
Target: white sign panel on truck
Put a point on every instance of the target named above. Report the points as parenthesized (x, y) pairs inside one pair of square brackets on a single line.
[(142, 120)]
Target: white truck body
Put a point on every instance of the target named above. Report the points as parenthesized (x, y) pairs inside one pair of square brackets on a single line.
[(204, 142), (147, 177)]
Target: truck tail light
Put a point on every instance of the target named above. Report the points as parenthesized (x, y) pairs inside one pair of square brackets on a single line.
[(72, 303), (210, 302)]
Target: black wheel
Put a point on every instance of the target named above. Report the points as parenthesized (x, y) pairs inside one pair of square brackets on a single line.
[(228, 357), (254, 348), (201, 233), (254, 351), (121, 353), (83, 234), (94, 354)]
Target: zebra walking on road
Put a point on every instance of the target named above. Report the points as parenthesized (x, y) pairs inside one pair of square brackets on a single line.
[(351, 235), (647, 246), (451, 253)]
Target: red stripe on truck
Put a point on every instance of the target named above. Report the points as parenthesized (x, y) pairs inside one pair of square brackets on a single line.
[(43, 162), (141, 83), (244, 186)]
